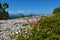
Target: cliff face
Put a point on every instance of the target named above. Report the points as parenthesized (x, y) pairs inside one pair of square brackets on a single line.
[(9, 27)]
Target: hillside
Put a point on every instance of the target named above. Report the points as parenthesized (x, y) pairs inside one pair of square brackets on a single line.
[(9, 27)]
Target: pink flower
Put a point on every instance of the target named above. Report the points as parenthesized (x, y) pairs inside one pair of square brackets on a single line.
[(33, 20), (30, 20), (24, 22)]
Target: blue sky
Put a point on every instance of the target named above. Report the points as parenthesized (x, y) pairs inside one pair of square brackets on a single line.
[(31, 6)]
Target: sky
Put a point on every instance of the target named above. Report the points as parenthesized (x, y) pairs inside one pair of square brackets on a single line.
[(31, 6)]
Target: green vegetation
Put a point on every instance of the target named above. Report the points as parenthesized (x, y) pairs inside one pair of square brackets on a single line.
[(3, 13), (47, 28), (56, 10)]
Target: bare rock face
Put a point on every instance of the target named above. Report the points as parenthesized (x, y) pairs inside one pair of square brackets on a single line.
[(9, 27)]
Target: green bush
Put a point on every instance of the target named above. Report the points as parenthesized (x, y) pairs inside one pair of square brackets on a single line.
[(56, 11), (47, 28)]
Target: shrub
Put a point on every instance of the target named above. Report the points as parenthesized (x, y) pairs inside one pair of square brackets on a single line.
[(47, 28)]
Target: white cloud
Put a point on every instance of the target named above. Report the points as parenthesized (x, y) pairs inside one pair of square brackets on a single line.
[(21, 11)]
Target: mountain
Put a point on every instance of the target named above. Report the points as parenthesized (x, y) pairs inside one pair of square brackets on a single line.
[(22, 14)]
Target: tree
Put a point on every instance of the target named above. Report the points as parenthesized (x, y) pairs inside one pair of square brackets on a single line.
[(5, 5), (56, 10), (3, 13)]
